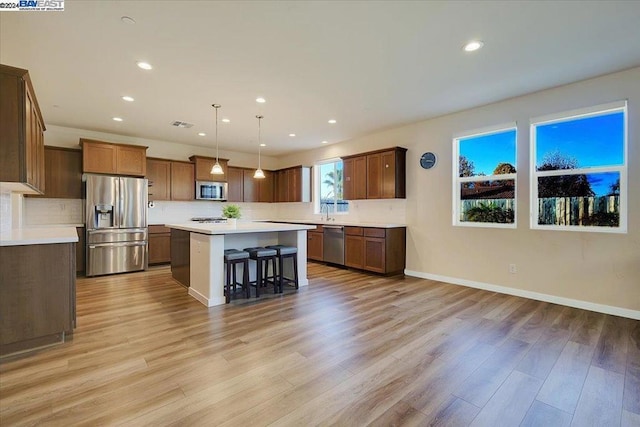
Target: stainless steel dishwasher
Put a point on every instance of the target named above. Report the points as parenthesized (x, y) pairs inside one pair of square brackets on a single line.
[(333, 245)]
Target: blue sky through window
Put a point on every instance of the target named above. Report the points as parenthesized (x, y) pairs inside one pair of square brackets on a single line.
[(487, 151)]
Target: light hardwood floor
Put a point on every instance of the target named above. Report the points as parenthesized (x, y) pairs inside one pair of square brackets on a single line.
[(349, 350)]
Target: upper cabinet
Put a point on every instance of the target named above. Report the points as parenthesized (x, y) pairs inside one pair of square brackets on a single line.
[(375, 175), (203, 168), (114, 159), (62, 173), (243, 187), (21, 133), (159, 176), (182, 181), (293, 184)]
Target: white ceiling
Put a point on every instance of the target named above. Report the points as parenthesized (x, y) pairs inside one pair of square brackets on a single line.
[(370, 65)]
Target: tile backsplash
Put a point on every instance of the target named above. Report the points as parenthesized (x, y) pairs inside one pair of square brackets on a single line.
[(52, 211), (167, 212), (5, 210)]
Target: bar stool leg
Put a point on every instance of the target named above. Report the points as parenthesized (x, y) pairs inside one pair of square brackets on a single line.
[(245, 278), (227, 285), (295, 269), (258, 277)]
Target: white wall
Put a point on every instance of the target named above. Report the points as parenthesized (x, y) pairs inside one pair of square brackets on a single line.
[(594, 268)]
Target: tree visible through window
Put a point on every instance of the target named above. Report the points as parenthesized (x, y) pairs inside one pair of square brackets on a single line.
[(485, 185), (578, 169), (330, 187)]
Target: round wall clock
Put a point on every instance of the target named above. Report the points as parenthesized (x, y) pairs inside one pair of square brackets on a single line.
[(428, 160)]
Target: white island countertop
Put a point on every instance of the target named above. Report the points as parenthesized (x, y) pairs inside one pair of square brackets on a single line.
[(239, 228), (38, 236), (340, 222)]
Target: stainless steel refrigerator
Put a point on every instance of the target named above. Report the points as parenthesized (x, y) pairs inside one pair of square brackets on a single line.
[(116, 216)]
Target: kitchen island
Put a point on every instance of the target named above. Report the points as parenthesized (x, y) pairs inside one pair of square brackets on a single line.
[(207, 243)]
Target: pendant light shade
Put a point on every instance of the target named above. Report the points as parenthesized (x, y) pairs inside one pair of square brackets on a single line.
[(259, 174), (217, 169)]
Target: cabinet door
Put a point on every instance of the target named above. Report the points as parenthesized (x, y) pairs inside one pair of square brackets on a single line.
[(250, 186), (31, 143), (131, 160), (374, 254), (159, 248), (98, 157), (294, 177), (63, 173), (235, 178), (388, 175), (354, 251), (348, 179), (282, 186), (360, 174), (374, 176), (159, 176), (203, 168), (182, 181), (315, 246), (266, 188)]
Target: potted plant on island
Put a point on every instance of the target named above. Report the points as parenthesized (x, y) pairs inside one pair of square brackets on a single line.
[(232, 213)]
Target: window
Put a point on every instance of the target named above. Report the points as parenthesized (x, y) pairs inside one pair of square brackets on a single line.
[(579, 170), (484, 184), (328, 188)]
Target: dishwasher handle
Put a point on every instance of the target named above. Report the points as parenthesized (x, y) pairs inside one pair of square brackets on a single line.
[(333, 227)]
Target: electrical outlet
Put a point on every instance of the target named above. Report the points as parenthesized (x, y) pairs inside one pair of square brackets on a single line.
[(151, 204), (513, 269)]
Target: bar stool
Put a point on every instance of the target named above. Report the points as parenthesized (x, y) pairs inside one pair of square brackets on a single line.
[(282, 252), (262, 256), (232, 258)]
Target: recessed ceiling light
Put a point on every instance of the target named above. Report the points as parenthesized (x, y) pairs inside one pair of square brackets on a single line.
[(263, 145), (128, 98), (473, 45), (324, 142), (292, 134), (333, 121), (117, 119), (261, 100), (128, 20), (226, 120), (202, 134), (144, 65)]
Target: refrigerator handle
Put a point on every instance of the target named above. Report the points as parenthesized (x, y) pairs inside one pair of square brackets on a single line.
[(120, 201)]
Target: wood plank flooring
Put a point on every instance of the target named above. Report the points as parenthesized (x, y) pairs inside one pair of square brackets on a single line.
[(348, 350)]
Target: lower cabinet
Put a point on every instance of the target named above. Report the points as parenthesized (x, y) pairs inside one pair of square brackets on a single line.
[(315, 240), (37, 295), (159, 244), (181, 256), (380, 250)]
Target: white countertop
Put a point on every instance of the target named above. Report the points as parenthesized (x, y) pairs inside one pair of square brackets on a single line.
[(338, 222), (239, 228), (38, 236)]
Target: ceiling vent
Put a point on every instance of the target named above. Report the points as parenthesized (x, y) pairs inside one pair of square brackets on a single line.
[(180, 124)]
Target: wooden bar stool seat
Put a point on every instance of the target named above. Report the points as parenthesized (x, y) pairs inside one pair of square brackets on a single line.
[(283, 252), (262, 256), (232, 258)]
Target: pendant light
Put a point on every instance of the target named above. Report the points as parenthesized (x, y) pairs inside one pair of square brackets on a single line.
[(217, 169), (259, 174)]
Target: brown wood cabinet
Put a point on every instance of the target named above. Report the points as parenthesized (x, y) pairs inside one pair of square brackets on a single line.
[(21, 132), (257, 190), (62, 173), (354, 247), (354, 178), (293, 184), (235, 180), (183, 185), (115, 159), (181, 256), (203, 168), (37, 299), (378, 174), (380, 250), (159, 176), (315, 244), (159, 244)]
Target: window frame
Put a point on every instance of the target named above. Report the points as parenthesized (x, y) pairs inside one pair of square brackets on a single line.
[(458, 180), (565, 116), (317, 187)]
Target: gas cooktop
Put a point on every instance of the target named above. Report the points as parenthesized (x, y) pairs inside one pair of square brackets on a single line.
[(210, 219)]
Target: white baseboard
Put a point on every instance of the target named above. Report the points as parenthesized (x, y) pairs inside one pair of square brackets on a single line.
[(208, 302), (600, 308)]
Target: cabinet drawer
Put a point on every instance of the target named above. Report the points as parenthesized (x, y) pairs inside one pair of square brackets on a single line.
[(353, 231), (375, 232), (158, 229)]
